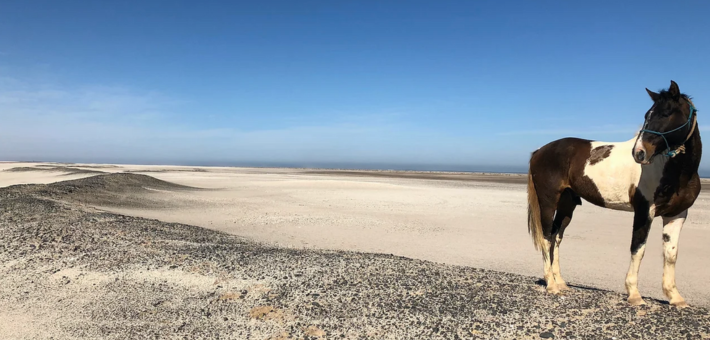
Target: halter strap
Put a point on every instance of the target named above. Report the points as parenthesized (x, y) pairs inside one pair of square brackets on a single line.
[(681, 148)]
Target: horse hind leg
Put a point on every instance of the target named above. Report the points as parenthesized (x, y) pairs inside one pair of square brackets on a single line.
[(548, 204), (565, 208), (544, 191)]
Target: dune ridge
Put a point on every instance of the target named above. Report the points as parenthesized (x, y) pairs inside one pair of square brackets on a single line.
[(110, 189)]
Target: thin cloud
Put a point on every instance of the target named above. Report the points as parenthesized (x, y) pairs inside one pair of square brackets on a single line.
[(592, 131), (89, 103), (46, 122)]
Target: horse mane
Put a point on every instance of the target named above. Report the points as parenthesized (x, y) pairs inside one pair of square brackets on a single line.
[(689, 99), (666, 95)]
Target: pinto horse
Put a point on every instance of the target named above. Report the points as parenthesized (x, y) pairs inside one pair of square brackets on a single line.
[(653, 174)]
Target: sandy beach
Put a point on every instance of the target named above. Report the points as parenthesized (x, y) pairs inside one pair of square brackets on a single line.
[(475, 221)]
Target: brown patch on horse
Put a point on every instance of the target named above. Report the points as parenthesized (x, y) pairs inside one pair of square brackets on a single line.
[(642, 220), (649, 148), (560, 165), (585, 187), (579, 182), (599, 153)]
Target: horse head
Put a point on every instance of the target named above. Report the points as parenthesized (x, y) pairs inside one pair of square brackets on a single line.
[(668, 124)]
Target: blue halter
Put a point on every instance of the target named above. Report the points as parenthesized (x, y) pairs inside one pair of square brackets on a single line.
[(673, 153)]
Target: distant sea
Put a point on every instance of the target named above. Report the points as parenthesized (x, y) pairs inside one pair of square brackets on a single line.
[(373, 166), (507, 169)]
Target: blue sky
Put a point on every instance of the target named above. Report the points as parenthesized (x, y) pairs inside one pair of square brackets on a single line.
[(433, 83)]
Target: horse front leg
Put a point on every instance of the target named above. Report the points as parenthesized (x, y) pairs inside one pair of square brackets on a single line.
[(642, 224), (671, 233)]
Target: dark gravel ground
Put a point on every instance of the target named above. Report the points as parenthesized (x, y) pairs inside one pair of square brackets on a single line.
[(68, 271)]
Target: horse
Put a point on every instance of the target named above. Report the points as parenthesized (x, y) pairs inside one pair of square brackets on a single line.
[(653, 174)]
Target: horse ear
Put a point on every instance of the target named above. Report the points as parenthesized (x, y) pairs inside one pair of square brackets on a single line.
[(653, 95), (674, 90)]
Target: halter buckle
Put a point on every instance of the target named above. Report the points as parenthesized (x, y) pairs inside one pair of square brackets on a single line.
[(677, 151)]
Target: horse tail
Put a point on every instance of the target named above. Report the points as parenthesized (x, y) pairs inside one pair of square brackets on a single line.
[(534, 221)]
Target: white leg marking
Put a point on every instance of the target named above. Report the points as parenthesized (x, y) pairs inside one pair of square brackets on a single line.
[(671, 233), (632, 277), (549, 274), (561, 284)]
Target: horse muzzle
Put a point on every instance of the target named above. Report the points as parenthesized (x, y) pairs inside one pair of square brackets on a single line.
[(641, 156)]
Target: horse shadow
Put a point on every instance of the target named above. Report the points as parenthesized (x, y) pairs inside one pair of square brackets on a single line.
[(541, 282)]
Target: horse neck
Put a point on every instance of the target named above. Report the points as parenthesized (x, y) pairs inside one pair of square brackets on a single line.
[(689, 162)]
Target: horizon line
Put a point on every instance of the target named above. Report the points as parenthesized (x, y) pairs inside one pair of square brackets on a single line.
[(702, 173)]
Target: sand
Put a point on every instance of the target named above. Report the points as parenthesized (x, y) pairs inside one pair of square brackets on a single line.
[(474, 221)]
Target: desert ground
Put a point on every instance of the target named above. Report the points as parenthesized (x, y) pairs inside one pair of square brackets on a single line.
[(269, 240)]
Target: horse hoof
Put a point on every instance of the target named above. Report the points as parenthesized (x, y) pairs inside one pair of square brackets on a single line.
[(680, 304), (563, 287), (636, 301)]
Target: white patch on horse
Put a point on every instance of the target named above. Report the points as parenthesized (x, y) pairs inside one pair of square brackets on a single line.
[(639, 135), (637, 144), (615, 175)]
